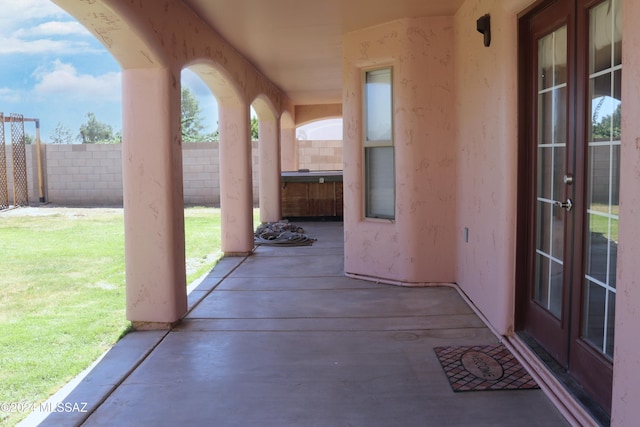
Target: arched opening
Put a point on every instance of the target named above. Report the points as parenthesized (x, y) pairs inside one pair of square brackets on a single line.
[(235, 158), (320, 145)]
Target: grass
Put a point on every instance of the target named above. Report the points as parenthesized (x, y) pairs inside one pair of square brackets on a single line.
[(62, 293), (600, 224)]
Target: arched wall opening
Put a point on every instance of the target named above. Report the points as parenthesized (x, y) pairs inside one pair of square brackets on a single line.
[(319, 145), (235, 157), (152, 51), (151, 167)]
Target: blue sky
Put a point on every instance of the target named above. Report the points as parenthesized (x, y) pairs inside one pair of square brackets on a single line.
[(54, 70)]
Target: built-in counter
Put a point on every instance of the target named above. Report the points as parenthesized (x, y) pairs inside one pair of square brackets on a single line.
[(312, 195)]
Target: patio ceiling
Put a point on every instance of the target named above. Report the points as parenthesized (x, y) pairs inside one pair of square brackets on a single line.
[(297, 44)]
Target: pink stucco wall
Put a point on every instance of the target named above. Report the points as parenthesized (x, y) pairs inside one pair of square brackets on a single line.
[(418, 245), (455, 138), (486, 136), (626, 371)]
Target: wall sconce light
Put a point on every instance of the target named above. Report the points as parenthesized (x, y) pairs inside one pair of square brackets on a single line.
[(484, 27)]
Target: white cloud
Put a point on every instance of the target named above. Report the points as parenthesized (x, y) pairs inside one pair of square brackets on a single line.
[(9, 95), (39, 27), (16, 13), (64, 80), (53, 28), (42, 46)]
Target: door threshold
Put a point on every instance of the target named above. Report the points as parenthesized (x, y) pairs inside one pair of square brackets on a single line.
[(566, 394)]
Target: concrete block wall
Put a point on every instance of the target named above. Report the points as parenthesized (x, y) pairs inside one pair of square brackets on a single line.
[(91, 174), (320, 155), (84, 174), (201, 173)]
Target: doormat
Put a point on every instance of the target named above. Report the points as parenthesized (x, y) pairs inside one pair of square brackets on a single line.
[(483, 367)]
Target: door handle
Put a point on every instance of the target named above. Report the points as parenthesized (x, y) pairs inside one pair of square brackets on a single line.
[(568, 205)]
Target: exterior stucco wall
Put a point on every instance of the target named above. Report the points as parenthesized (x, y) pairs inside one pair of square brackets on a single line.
[(626, 371), (486, 135), (417, 246), (486, 111)]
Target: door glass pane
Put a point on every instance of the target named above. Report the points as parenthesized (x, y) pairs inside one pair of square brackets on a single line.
[(555, 288), (545, 172), (601, 37), (599, 317), (545, 118), (551, 167), (598, 247), (594, 311), (602, 107), (541, 290), (603, 175), (543, 231), (552, 59)]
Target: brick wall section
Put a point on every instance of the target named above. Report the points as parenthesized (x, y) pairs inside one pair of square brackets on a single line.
[(91, 174), (320, 155), (84, 174), (201, 174)]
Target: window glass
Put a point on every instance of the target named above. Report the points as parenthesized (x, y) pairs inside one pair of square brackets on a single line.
[(378, 105), (378, 145), (380, 199)]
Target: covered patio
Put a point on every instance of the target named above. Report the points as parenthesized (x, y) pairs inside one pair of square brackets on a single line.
[(453, 141), (283, 338)]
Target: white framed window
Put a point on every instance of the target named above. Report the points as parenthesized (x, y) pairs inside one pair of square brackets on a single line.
[(379, 162)]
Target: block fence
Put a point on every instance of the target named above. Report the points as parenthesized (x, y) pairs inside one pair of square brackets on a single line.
[(91, 174)]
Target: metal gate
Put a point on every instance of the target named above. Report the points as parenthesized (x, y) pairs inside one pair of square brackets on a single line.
[(19, 160), (4, 188)]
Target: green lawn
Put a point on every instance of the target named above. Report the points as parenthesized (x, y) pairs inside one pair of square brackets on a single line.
[(600, 224), (62, 293)]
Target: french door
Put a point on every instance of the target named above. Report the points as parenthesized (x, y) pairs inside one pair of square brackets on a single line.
[(570, 67)]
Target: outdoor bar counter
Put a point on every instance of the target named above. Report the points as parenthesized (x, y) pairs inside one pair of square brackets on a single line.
[(312, 195)]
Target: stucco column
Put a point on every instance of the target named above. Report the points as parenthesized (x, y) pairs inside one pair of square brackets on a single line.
[(288, 146), (236, 190), (269, 148), (153, 198)]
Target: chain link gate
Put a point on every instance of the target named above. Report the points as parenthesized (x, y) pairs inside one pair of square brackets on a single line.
[(4, 187), (19, 157)]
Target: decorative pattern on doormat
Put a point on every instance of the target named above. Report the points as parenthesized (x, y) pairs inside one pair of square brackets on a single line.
[(483, 367)]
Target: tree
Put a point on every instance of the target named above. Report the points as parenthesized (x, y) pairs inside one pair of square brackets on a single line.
[(95, 132), (609, 127), (254, 130), (191, 117), (61, 135), (191, 120)]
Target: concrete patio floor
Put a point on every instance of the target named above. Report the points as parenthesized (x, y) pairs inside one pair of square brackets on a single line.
[(283, 338)]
